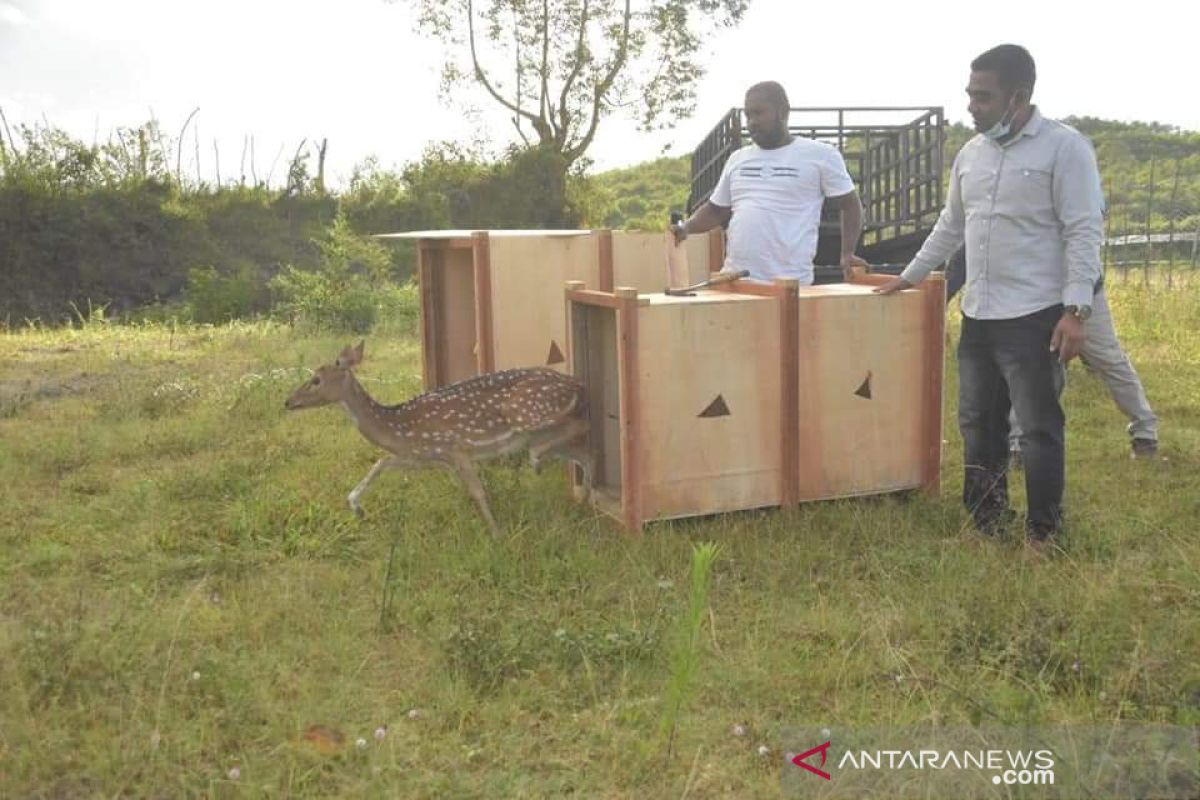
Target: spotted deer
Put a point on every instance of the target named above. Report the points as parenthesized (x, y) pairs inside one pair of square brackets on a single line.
[(457, 426)]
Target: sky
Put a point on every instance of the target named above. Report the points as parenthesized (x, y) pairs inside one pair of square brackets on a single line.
[(356, 73)]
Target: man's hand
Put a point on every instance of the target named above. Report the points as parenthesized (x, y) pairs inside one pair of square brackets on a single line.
[(894, 285), (850, 262), (1067, 339)]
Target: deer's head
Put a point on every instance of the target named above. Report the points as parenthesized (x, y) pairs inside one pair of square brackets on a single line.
[(328, 383)]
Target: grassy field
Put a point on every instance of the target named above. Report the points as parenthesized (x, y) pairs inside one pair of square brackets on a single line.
[(184, 593)]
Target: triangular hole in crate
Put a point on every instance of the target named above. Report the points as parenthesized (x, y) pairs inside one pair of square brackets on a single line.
[(716, 408), (865, 390)]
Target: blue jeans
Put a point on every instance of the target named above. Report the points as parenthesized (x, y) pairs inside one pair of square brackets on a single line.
[(1007, 364)]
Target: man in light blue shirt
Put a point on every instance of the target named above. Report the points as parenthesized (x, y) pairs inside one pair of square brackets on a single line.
[(1024, 198)]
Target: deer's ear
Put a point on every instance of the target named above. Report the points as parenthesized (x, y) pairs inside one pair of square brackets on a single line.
[(350, 357)]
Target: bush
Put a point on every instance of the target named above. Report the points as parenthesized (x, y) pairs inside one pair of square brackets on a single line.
[(327, 302), (345, 292), (215, 298)]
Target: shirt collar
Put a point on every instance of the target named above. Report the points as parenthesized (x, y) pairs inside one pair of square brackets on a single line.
[(1030, 128)]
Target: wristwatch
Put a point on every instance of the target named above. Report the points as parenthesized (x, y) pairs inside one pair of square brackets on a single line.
[(1080, 313)]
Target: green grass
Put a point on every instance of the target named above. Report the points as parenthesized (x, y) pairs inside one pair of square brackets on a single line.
[(183, 590)]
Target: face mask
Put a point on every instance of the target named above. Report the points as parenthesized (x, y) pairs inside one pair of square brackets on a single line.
[(1003, 127)]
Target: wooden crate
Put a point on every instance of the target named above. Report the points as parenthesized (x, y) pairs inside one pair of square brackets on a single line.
[(492, 300), (758, 395)]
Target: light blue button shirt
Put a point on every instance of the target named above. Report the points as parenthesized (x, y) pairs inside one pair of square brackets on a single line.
[(1030, 213)]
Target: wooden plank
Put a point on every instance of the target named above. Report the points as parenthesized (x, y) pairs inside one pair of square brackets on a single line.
[(710, 399), (456, 346), (789, 383), (934, 290), (678, 259), (716, 250), (484, 333), (861, 278), (747, 287), (630, 409), (604, 258), (529, 317), (640, 259), (590, 298), (425, 283), (441, 243), (861, 391)]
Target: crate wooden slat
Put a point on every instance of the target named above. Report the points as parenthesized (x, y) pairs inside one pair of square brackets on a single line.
[(492, 300), (758, 395)]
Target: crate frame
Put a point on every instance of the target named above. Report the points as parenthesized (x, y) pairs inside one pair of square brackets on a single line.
[(628, 506)]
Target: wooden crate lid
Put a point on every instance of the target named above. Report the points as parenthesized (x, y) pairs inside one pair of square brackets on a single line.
[(836, 290), (459, 234), (702, 297)]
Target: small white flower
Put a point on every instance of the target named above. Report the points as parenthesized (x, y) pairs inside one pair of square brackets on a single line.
[(739, 730), (380, 733), (763, 750), (414, 714), (235, 773), (361, 743), (196, 676)]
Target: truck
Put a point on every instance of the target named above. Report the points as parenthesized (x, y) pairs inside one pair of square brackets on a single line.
[(895, 156)]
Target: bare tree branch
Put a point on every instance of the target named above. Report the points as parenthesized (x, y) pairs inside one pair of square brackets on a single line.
[(179, 147), (564, 114), (544, 99), (602, 89), (482, 77), (516, 121), (11, 141)]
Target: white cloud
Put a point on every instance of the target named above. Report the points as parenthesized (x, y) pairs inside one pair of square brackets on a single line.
[(11, 15)]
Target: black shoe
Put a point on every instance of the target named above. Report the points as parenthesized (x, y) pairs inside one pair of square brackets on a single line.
[(996, 523), (1145, 448)]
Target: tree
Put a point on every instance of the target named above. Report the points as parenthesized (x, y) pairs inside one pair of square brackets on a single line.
[(561, 66)]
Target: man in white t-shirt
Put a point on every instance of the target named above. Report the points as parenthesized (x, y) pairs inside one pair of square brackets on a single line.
[(771, 193)]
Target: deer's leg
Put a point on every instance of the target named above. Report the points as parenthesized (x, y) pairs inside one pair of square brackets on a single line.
[(554, 442), (387, 462), (468, 473)]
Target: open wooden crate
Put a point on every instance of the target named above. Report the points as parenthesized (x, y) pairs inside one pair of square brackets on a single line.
[(758, 395), (492, 300)]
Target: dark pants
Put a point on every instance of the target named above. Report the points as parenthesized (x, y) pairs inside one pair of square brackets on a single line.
[(1002, 364)]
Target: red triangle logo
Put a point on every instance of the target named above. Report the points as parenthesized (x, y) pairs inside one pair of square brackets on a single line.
[(823, 749)]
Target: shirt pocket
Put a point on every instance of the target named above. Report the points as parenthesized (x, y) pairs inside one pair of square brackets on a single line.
[(1026, 191)]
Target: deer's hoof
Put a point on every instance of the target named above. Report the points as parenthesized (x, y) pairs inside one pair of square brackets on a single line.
[(358, 510)]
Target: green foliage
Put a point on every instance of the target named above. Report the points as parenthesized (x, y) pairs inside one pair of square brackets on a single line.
[(642, 197), (685, 657), (349, 290), (109, 223), (214, 298)]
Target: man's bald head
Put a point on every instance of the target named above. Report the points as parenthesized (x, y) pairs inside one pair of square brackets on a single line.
[(766, 114), (770, 92)]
